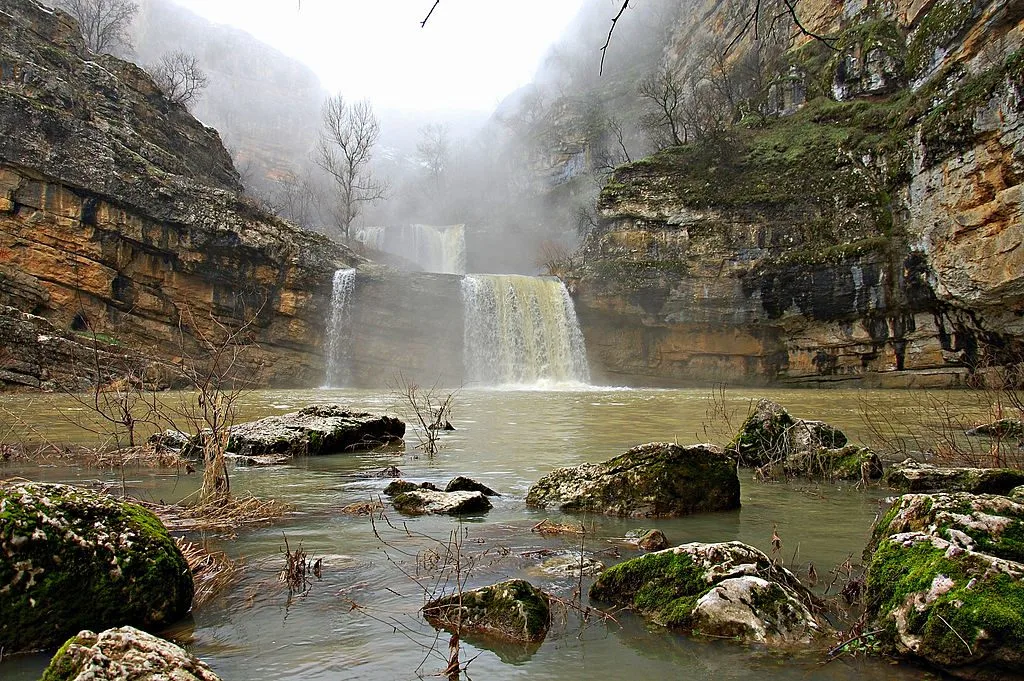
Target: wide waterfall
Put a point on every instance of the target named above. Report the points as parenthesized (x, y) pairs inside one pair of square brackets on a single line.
[(435, 249), (338, 329), (521, 330)]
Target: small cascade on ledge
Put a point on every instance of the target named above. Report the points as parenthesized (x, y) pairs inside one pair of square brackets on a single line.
[(521, 331), (435, 249), (339, 329)]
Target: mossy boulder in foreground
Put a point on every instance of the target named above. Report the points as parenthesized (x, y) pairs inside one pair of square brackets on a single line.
[(656, 479), (727, 590), (73, 559), (124, 654), (514, 611), (946, 583)]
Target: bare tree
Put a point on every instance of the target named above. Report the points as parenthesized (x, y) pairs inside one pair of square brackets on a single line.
[(434, 151), (665, 89), (105, 24), (344, 151), (180, 77)]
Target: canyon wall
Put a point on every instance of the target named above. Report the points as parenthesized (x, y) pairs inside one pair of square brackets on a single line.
[(872, 233), (121, 218)]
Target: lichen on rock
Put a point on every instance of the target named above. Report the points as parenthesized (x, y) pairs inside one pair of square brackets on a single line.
[(73, 559)]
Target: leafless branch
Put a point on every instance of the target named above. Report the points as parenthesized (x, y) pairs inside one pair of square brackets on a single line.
[(608, 40)]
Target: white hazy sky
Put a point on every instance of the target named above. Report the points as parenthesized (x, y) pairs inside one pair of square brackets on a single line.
[(469, 56)]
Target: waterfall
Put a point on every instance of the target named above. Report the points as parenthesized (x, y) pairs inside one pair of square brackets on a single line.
[(338, 329), (435, 249), (521, 330)]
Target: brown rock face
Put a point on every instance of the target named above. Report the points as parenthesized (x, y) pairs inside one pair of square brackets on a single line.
[(120, 214), (876, 238)]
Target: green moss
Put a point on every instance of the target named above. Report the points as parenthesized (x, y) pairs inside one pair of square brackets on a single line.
[(836, 254), (942, 23), (511, 610), (665, 586), (993, 604), (62, 667)]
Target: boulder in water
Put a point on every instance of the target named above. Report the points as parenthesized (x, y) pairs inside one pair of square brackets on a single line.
[(322, 429), (124, 654), (945, 583), (514, 610), (770, 436), (73, 559), (402, 486), (652, 540), (729, 590), (999, 428), (422, 501), (656, 479), (464, 484), (847, 463), (913, 476)]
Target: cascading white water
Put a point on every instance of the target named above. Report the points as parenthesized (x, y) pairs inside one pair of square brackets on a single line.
[(338, 329), (521, 330), (435, 249)]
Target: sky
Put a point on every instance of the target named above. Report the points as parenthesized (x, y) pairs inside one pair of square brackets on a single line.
[(470, 54)]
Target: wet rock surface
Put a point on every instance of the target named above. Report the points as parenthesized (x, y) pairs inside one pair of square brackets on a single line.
[(914, 476), (426, 501), (73, 559), (656, 479), (728, 590), (124, 654), (945, 582), (327, 429), (513, 610)]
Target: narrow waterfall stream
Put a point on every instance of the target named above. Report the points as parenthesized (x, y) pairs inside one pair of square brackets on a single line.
[(521, 330), (435, 249), (338, 331)]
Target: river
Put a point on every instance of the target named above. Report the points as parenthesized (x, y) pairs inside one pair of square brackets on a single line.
[(360, 620)]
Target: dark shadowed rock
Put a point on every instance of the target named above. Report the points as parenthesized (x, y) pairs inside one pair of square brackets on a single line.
[(422, 501), (514, 610), (323, 429), (912, 476), (945, 583), (124, 654), (401, 486), (656, 479), (73, 559), (464, 484), (726, 590)]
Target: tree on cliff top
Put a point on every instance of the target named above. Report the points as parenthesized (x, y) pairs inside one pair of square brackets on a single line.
[(344, 151), (105, 24), (179, 76)]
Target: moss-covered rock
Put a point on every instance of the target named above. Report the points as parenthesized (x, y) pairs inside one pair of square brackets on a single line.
[(421, 501), (945, 582), (73, 559), (727, 589), (514, 610), (315, 430), (913, 476), (656, 479), (846, 463), (124, 654)]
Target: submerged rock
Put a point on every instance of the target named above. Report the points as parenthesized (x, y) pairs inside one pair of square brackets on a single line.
[(727, 590), (999, 428), (514, 610), (464, 484), (780, 445), (912, 476), (945, 583), (73, 559), (571, 565), (656, 479), (322, 429), (422, 501), (124, 654)]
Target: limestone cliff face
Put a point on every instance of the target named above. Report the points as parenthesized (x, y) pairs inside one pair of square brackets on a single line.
[(873, 234), (120, 214)]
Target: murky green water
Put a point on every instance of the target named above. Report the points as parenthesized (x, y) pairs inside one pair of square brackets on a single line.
[(360, 621)]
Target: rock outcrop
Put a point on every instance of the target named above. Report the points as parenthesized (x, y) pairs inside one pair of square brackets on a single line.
[(121, 215), (124, 654), (872, 234), (315, 430), (656, 479), (913, 476), (944, 583), (72, 559), (728, 590), (508, 611)]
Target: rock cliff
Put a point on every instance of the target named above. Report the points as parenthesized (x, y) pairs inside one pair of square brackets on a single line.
[(873, 233), (121, 216)]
